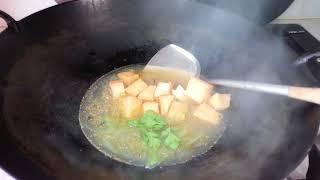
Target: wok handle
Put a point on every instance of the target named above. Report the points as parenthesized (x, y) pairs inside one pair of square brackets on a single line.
[(12, 24), (305, 94), (307, 57)]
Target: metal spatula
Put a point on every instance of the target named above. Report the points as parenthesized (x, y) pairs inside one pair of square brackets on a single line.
[(173, 56)]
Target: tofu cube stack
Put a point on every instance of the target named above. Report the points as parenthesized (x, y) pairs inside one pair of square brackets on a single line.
[(136, 87), (179, 93), (128, 77), (163, 89), (117, 88), (130, 106), (165, 102), (207, 113), (198, 90), (148, 93), (177, 112), (220, 101), (136, 97)]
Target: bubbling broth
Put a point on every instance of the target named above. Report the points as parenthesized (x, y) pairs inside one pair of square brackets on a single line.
[(152, 117)]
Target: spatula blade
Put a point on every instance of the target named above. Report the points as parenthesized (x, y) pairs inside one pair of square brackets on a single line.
[(173, 56)]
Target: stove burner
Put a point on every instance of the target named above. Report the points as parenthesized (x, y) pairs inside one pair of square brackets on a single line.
[(314, 66)]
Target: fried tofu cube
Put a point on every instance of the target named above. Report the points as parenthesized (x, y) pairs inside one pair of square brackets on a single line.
[(117, 88), (198, 90), (131, 107), (177, 112), (148, 93), (220, 101), (128, 77), (179, 93), (136, 87), (163, 88), (153, 106), (165, 102), (206, 113)]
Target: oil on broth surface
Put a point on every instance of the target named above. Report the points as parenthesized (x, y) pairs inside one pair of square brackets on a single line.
[(103, 126)]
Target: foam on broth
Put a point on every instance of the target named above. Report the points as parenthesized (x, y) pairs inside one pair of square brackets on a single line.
[(100, 122)]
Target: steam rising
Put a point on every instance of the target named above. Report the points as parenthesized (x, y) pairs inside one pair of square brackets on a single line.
[(229, 46), (255, 10)]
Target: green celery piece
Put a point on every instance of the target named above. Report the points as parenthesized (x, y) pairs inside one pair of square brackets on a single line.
[(148, 135), (154, 143), (151, 139), (161, 123), (172, 141), (154, 132), (133, 123), (153, 158), (166, 132), (153, 121), (149, 120)]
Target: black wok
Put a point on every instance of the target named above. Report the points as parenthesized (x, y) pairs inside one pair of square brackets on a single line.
[(46, 68), (259, 11)]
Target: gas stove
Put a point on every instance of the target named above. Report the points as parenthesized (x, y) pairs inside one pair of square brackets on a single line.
[(302, 43)]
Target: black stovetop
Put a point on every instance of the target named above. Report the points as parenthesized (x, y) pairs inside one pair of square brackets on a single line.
[(298, 38), (301, 42)]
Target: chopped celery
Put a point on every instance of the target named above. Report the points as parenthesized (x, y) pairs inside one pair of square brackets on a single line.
[(154, 131)]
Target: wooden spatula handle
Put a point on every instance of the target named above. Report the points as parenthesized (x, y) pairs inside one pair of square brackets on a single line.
[(305, 94)]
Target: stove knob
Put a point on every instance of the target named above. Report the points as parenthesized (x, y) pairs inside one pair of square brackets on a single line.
[(313, 65)]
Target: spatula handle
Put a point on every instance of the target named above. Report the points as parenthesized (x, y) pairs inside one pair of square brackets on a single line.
[(253, 86), (302, 93), (305, 94)]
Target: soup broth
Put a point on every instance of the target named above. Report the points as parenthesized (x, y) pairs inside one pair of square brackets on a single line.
[(104, 126)]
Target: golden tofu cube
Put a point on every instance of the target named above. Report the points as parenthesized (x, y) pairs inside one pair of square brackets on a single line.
[(179, 93), (117, 88), (177, 112), (207, 113), (153, 106), (198, 90), (165, 102), (163, 88), (128, 77), (148, 93), (131, 107), (220, 101), (136, 87)]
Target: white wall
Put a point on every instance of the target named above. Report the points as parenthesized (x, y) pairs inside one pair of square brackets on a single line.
[(302, 9), (19, 9)]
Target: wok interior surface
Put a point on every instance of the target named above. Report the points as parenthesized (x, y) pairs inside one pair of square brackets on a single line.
[(47, 68)]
